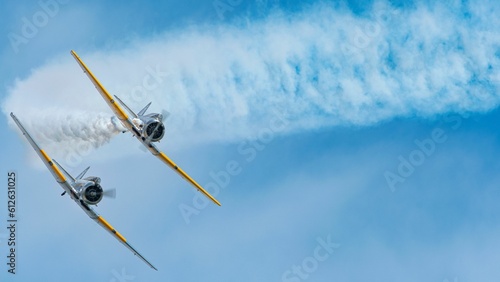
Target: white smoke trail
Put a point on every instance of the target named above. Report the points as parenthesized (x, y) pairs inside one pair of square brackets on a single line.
[(80, 128), (323, 67), (71, 134)]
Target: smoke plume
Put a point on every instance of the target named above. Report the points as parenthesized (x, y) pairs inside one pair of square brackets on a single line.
[(325, 66)]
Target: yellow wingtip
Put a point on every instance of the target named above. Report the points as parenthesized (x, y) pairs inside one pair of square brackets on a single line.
[(181, 172), (216, 202)]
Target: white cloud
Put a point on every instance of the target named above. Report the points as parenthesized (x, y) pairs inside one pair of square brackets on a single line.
[(322, 67)]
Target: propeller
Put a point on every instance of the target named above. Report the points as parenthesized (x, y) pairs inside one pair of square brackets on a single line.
[(164, 115), (152, 133), (111, 193)]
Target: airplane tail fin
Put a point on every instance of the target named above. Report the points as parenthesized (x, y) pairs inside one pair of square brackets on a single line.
[(83, 173), (125, 106), (143, 111), (140, 113)]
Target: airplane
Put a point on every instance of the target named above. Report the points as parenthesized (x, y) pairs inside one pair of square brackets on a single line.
[(146, 128), (85, 192)]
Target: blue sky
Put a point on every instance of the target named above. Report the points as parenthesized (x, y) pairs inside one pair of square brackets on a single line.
[(364, 137)]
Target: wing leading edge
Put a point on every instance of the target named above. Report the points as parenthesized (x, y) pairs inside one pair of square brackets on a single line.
[(119, 112), (58, 175), (102, 222), (164, 158)]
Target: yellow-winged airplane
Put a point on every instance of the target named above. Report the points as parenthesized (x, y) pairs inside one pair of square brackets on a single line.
[(84, 191), (146, 128)]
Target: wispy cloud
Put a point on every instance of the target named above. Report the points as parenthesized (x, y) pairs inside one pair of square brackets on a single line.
[(325, 66)]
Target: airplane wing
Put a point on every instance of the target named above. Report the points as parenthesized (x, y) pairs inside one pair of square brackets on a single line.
[(164, 158), (60, 177), (102, 222), (119, 112), (118, 236)]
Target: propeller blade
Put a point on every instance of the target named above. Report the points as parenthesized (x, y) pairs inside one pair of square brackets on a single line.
[(165, 114), (111, 193)]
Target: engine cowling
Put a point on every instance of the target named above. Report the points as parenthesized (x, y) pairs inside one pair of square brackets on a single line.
[(154, 130), (92, 194)]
